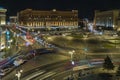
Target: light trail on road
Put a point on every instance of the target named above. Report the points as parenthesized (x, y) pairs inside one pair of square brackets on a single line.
[(31, 76)]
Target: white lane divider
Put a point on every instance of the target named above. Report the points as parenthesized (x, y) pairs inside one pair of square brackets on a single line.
[(35, 74), (47, 75)]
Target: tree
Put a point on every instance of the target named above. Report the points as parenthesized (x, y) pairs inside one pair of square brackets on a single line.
[(108, 64), (118, 71), (80, 75), (105, 76)]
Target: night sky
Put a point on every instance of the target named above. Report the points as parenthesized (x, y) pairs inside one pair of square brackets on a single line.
[(86, 7)]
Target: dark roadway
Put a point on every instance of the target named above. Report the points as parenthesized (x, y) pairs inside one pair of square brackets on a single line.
[(51, 68), (42, 60)]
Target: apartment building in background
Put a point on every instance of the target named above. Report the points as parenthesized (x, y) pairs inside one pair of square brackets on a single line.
[(107, 19)]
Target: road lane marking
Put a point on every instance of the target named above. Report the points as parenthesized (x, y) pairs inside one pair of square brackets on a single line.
[(34, 75), (47, 75)]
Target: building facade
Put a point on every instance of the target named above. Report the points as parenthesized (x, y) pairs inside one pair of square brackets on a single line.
[(3, 16), (107, 19), (37, 18), (13, 20)]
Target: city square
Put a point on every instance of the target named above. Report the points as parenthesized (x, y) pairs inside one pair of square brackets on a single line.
[(59, 43)]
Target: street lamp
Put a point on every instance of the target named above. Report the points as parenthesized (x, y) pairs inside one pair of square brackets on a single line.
[(17, 41), (85, 49), (72, 62), (0, 36), (19, 73), (10, 41), (71, 53)]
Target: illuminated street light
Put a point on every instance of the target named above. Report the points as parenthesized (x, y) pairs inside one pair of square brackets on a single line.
[(8, 47), (85, 49), (17, 41), (72, 62), (0, 36), (71, 53), (10, 41), (19, 73)]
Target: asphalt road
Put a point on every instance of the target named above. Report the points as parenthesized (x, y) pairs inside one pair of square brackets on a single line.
[(46, 71), (61, 76), (39, 61)]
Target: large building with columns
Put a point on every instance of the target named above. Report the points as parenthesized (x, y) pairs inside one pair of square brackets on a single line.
[(39, 18), (2, 16)]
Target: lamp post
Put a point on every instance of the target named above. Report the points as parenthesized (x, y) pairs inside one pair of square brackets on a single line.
[(0, 36), (19, 73), (71, 53), (16, 44), (85, 49), (10, 41), (72, 62)]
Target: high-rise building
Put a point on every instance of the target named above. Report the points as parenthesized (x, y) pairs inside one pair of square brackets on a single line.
[(38, 18), (2, 16), (107, 19)]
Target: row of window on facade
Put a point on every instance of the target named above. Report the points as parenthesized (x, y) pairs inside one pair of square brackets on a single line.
[(102, 18), (49, 17), (104, 21), (49, 24), (55, 19), (106, 24)]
